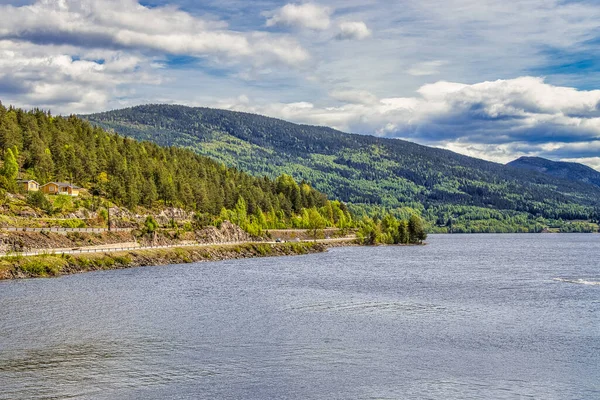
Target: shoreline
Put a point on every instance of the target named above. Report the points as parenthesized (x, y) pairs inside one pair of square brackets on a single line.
[(54, 265)]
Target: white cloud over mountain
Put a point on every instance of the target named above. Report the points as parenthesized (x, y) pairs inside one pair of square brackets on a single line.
[(491, 79), (497, 119), (495, 111)]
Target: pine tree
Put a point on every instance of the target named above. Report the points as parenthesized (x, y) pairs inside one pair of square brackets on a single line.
[(10, 169), (10, 133)]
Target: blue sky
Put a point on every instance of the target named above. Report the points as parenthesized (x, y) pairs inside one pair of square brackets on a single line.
[(487, 78)]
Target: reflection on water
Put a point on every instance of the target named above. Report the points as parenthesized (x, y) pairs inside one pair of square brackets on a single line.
[(479, 317), (579, 281), (372, 307)]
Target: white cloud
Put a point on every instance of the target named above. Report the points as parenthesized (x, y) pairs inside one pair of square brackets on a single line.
[(81, 56), (128, 25), (426, 68), (593, 162), (519, 104), (477, 40), (502, 153), (357, 30), (44, 76), (354, 96), (307, 15)]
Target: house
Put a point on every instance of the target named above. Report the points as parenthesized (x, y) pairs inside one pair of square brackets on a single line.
[(29, 185), (61, 188)]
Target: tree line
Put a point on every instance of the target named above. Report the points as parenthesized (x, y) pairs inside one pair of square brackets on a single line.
[(390, 230)]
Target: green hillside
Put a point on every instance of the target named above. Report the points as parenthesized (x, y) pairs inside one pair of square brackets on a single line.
[(560, 169), (36, 145), (452, 191)]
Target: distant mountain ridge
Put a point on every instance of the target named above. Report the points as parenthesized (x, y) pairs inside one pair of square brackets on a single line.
[(360, 169), (560, 169)]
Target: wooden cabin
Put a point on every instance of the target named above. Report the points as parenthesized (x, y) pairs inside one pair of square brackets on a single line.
[(29, 185), (61, 188)]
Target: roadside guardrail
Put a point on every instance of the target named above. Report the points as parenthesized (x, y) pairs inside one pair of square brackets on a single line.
[(57, 229)]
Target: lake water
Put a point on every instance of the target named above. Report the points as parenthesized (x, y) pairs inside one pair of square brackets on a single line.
[(473, 316)]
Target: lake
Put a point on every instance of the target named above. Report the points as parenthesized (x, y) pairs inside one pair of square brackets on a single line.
[(467, 316)]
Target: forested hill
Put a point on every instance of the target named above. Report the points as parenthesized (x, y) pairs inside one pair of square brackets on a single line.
[(36, 145), (358, 168), (565, 170)]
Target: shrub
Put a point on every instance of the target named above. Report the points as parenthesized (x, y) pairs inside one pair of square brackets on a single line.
[(106, 262), (103, 215), (123, 260), (262, 249), (150, 225), (84, 263), (182, 255), (42, 266), (63, 204), (72, 223), (38, 200)]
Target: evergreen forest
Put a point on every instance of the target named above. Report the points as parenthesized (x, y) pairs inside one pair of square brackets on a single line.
[(139, 174)]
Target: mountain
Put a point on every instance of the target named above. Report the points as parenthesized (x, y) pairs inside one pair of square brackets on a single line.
[(565, 170), (367, 171), (39, 146)]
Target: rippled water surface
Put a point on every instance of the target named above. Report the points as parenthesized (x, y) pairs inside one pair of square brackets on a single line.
[(477, 316)]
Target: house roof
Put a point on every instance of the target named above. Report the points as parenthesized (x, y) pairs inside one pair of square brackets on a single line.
[(26, 181), (63, 184)]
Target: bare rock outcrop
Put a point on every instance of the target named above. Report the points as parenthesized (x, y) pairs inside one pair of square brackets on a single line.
[(170, 213), (227, 233)]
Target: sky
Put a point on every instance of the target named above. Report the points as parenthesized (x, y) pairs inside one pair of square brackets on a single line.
[(487, 78)]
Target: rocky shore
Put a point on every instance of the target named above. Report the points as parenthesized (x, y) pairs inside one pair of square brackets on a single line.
[(19, 267)]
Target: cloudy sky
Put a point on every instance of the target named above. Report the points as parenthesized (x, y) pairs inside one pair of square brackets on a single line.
[(489, 78)]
